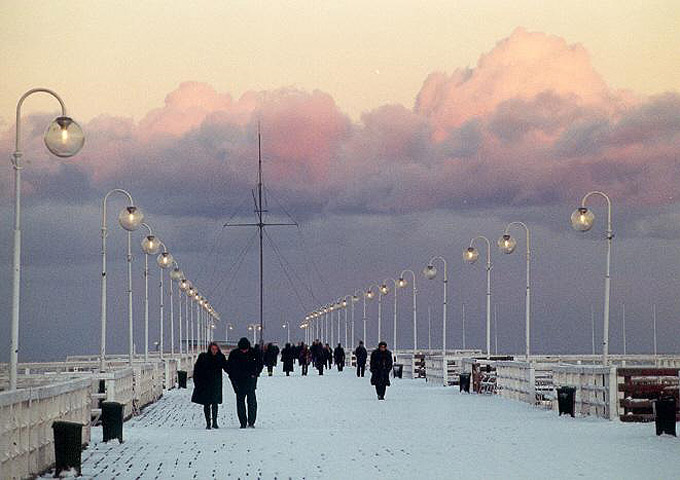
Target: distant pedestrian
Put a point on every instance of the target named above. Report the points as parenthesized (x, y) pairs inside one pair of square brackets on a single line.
[(339, 357), (288, 358), (381, 366), (208, 383), (244, 366), (303, 359), (361, 354), (271, 357), (319, 356), (328, 352)]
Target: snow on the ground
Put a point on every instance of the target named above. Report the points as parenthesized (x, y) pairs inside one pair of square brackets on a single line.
[(333, 427)]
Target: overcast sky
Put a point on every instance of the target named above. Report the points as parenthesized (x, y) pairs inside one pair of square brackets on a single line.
[(391, 133)]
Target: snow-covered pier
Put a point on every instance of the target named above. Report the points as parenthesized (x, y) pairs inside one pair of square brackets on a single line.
[(332, 426)]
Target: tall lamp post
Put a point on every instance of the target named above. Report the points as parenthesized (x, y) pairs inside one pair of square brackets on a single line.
[(191, 295), (164, 261), (63, 138), (175, 276), (130, 218), (384, 290), (254, 327), (286, 326), (470, 255), (507, 244), (150, 246), (430, 272), (582, 220), (403, 283), (370, 294), (228, 326), (184, 286)]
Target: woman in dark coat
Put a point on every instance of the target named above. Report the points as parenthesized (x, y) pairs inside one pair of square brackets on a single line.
[(208, 382), (381, 366), (271, 357), (288, 358), (339, 357), (303, 358)]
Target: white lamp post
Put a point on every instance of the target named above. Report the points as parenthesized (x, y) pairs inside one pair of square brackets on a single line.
[(150, 246), (228, 326), (582, 220), (403, 283), (507, 245), (130, 218), (370, 294), (184, 285), (175, 276), (471, 254), (191, 294), (286, 326), (430, 273), (164, 261), (384, 290), (63, 138)]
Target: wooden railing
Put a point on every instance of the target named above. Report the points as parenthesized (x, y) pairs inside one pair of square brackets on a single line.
[(595, 385)]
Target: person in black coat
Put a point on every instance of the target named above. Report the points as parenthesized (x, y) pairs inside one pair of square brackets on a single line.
[(328, 353), (271, 357), (381, 366), (208, 382), (361, 354), (288, 358), (244, 366), (303, 358), (339, 357), (319, 356)]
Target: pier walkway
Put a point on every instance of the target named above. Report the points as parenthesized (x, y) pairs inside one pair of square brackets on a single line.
[(333, 427)]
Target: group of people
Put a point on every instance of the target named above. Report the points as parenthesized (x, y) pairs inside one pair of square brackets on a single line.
[(245, 364)]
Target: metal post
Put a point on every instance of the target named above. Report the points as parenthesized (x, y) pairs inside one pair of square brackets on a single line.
[(172, 322), (129, 292), (162, 335), (624, 327), (146, 307)]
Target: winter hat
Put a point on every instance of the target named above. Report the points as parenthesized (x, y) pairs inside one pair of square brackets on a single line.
[(383, 343), (243, 343)]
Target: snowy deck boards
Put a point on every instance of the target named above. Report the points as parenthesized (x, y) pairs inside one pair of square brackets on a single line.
[(333, 427)]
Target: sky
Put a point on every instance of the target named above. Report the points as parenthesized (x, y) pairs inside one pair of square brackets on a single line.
[(391, 133)]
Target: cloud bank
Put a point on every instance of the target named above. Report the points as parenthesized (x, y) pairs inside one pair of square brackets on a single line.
[(531, 124)]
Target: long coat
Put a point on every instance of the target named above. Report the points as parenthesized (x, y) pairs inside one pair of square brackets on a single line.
[(271, 355), (361, 355), (381, 366), (303, 356), (339, 355), (288, 357), (208, 378), (244, 368)]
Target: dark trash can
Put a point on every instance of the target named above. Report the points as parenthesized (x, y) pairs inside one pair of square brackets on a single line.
[(566, 400), (112, 421), (464, 382), (68, 438), (664, 411), (181, 379), (398, 370)]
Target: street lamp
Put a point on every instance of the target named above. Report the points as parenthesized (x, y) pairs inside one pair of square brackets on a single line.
[(370, 294), (150, 246), (184, 286), (430, 272), (470, 255), (254, 327), (582, 220), (64, 138), (286, 326), (401, 284), (507, 244), (385, 291), (228, 326), (130, 218), (164, 261), (191, 294), (176, 276)]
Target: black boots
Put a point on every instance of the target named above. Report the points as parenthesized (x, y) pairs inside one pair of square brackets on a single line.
[(206, 412), (214, 416)]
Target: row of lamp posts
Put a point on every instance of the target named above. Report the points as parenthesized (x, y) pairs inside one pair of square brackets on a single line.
[(64, 138), (582, 220)]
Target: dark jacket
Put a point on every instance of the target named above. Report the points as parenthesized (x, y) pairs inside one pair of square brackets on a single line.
[(381, 366), (339, 355), (271, 355), (208, 378), (361, 355), (244, 368), (304, 355), (288, 357)]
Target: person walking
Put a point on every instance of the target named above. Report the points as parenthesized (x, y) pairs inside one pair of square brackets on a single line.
[(303, 359), (361, 354), (339, 357), (319, 356), (381, 366), (271, 357), (328, 354), (288, 358), (244, 366), (208, 383)]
